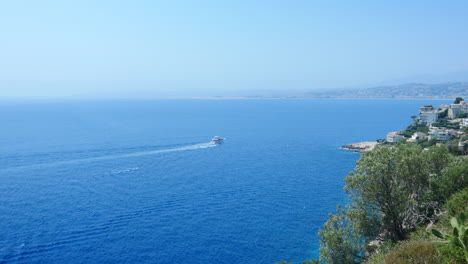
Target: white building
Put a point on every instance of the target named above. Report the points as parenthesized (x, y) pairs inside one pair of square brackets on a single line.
[(417, 136), (393, 137), (464, 122), (441, 134), (456, 109), (428, 115)]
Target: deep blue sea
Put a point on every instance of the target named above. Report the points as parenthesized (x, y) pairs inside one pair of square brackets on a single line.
[(138, 181)]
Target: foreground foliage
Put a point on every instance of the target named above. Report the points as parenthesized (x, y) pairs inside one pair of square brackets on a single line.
[(414, 252), (339, 244), (393, 191), (459, 238)]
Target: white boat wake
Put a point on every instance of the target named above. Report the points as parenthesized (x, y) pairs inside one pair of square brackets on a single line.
[(120, 156), (150, 152)]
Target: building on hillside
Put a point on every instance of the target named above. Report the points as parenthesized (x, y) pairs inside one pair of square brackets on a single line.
[(441, 133), (444, 107), (417, 136), (464, 123), (460, 133), (428, 115), (456, 109), (393, 137)]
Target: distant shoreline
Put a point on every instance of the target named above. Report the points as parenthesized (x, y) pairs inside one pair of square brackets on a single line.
[(36, 99), (297, 98)]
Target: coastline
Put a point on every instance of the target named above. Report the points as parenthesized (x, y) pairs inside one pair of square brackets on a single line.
[(305, 98), (361, 147)]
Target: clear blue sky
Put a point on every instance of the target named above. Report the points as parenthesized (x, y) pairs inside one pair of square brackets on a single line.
[(173, 48)]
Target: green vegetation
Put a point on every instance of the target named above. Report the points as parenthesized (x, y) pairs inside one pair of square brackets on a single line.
[(414, 127), (452, 146), (410, 251), (458, 100), (446, 124), (459, 238), (395, 192), (458, 202), (443, 114), (449, 252), (428, 143), (414, 252), (339, 243)]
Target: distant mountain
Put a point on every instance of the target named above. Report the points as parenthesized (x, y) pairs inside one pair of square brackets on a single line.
[(403, 91)]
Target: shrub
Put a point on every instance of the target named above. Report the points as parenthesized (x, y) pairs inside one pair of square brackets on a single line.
[(414, 252), (428, 143), (379, 256), (415, 128), (453, 179), (459, 237), (455, 125), (452, 146), (457, 203), (421, 234), (451, 254), (443, 114)]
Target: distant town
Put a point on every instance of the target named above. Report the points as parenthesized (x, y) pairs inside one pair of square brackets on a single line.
[(436, 91)]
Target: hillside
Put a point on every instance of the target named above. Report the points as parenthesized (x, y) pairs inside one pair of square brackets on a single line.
[(403, 91)]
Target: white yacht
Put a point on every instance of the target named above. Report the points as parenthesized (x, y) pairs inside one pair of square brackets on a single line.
[(217, 140)]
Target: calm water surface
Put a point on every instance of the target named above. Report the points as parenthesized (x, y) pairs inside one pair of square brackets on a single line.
[(137, 181)]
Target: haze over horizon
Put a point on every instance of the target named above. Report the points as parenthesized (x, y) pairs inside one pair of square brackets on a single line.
[(156, 49)]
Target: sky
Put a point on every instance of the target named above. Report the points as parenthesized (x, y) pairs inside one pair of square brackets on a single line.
[(173, 49)]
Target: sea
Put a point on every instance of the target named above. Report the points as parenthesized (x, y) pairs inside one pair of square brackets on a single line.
[(138, 181)]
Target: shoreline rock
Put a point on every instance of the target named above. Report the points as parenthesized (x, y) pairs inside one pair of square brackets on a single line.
[(361, 147)]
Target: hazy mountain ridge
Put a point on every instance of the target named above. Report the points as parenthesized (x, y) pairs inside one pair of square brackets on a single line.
[(403, 91)]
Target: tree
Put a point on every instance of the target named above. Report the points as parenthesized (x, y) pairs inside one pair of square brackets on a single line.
[(393, 190), (392, 182), (443, 114), (374, 181), (339, 243), (453, 179), (458, 100)]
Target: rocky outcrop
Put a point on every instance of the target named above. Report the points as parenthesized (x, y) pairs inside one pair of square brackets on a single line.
[(361, 147)]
